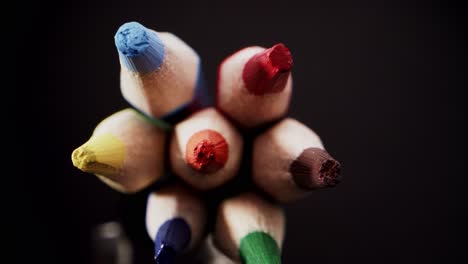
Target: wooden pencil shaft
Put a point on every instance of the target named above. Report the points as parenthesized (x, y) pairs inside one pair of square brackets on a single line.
[(167, 208), (124, 151), (289, 160), (245, 214), (160, 78)]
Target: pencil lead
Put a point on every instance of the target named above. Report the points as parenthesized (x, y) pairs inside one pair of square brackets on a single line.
[(207, 151), (171, 239), (165, 255), (140, 49), (102, 155), (268, 71), (259, 247), (315, 168)]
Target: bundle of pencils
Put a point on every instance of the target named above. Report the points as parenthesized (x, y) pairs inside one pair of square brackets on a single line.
[(219, 171)]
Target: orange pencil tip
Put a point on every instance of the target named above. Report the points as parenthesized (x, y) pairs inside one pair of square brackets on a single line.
[(207, 151)]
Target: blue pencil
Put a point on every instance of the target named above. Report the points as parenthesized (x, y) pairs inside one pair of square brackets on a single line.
[(175, 220), (160, 74)]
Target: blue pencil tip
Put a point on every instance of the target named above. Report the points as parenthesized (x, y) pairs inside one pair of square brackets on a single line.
[(172, 238), (165, 255), (140, 49)]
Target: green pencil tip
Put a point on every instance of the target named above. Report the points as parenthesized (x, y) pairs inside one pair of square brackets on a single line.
[(259, 248)]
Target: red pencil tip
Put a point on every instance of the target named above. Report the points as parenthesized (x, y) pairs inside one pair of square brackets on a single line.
[(268, 71), (207, 151)]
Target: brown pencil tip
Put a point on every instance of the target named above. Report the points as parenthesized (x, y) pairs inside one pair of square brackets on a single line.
[(207, 151), (268, 71), (315, 169)]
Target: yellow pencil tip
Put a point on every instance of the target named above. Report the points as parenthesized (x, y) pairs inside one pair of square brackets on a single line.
[(82, 157), (101, 155)]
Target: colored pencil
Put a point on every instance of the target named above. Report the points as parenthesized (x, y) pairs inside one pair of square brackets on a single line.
[(250, 229), (289, 160), (205, 149), (160, 74), (255, 84), (125, 152), (175, 220)]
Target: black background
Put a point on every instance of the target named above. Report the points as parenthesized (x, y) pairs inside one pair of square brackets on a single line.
[(380, 82)]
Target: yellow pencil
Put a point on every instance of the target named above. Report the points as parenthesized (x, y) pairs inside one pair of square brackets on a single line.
[(125, 152)]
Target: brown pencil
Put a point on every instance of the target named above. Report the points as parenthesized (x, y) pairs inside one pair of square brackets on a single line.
[(289, 161), (205, 149), (254, 85), (125, 152)]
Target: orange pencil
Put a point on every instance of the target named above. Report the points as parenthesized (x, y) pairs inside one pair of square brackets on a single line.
[(205, 149), (289, 160), (254, 85)]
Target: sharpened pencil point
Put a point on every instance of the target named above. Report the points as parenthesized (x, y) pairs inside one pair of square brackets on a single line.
[(172, 238), (314, 169), (101, 155), (268, 71), (83, 157), (207, 151), (165, 255), (140, 49), (259, 247)]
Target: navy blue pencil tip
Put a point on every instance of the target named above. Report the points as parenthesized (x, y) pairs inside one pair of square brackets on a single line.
[(165, 255), (140, 49), (172, 238)]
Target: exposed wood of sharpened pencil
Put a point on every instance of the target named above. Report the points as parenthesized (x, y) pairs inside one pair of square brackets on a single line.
[(175, 220), (289, 161), (255, 85), (206, 149), (250, 229), (210, 254), (125, 152), (159, 72)]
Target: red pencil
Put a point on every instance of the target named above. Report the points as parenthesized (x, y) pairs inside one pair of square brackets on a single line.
[(254, 85), (289, 161), (205, 149)]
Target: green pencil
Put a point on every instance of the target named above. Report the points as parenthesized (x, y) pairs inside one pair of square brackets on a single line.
[(250, 229)]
